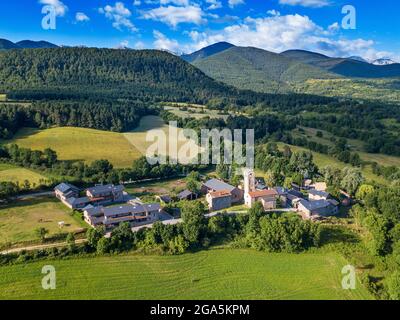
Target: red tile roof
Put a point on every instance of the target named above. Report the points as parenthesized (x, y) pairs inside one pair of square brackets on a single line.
[(263, 193)]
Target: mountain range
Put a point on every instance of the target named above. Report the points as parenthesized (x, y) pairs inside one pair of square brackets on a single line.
[(25, 44), (264, 71)]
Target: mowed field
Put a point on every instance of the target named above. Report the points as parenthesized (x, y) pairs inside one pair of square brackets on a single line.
[(16, 174), (80, 144), (71, 143), (19, 220), (231, 274), (153, 127)]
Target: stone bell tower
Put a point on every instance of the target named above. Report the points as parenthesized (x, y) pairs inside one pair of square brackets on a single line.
[(249, 180)]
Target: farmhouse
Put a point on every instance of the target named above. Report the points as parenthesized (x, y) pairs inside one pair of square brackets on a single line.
[(64, 191), (318, 195), (318, 208), (219, 200), (268, 198), (105, 194), (215, 185), (187, 195), (113, 216)]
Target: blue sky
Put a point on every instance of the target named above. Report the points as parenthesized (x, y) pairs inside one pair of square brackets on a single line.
[(187, 25)]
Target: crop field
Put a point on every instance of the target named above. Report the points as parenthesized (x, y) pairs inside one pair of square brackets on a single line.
[(19, 220), (217, 273), (19, 175)]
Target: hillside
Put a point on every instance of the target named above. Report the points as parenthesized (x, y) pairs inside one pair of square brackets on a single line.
[(207, 51), (29, 44), (259, 70), (6, 44), (345, 67), (66, 72), (25, 44)]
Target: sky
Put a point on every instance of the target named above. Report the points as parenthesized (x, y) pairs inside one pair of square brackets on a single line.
[(183, 26)]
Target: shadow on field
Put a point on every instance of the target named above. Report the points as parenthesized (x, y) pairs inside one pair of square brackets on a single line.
[(335, 234)]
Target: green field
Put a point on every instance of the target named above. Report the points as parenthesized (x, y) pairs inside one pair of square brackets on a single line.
[(197, 112), (19, 220), (322, 160), (231, 274), (138, 137), (19, 175), (71, 143), (80, 144)]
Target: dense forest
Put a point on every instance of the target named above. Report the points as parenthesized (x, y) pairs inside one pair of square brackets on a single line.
[(104, 115)]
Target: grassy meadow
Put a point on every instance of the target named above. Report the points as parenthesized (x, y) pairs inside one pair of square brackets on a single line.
[(138, 136), (16, 174), (80, 144), (231, 274), (19, 220)]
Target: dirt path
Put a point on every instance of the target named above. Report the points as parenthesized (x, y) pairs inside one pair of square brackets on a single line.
[(41, 246)]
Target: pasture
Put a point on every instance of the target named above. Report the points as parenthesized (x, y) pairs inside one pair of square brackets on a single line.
[(72, 143), (18, 175), (19, 220), (218, 273)]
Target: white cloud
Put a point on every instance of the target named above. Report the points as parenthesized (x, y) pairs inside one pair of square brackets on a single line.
[(81, 17), (173, 16), (139, 45), (273, 12), (137, 3), (123, 44), (59, 7), (163, 43), (280, 33), (119, 15), (234, 3), (334, 27), (176, 2), (214, 4), (306, 3)]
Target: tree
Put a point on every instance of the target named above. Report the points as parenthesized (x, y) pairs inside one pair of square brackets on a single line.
[(302, 162), (103, 246), (364, 190), (178, 245), (93, 235), (41, 233), (352, 179), (194, 221), (71, 241), (393, 286)]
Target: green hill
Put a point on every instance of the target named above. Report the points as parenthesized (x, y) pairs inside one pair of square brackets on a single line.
[(259, 70), (68, 72), (207, 51), (6, 44), (344, 67)]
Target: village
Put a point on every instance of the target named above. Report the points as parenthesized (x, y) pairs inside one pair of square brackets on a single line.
[(109, 205)]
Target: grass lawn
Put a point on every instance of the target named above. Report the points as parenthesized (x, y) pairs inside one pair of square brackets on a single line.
[(16, 174), (19, 220), (80, 144), (195, 112), (231, 274)]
